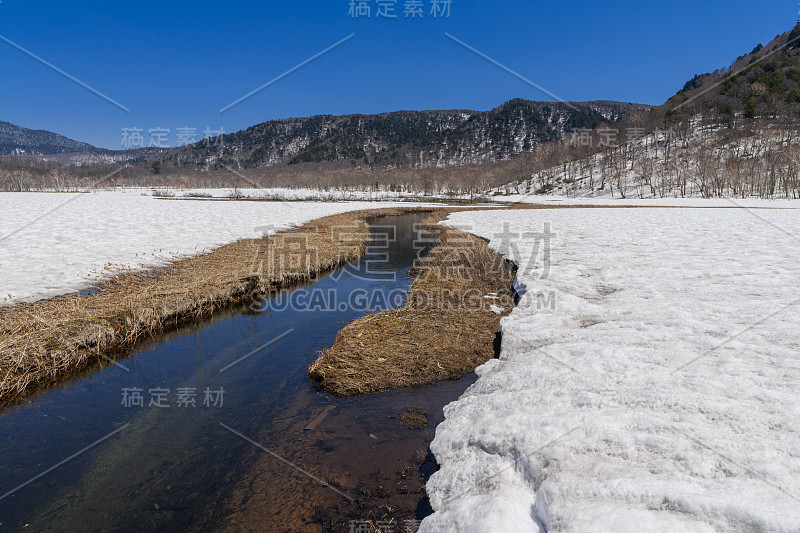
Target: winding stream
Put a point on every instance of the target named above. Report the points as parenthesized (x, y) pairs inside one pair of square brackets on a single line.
[(230, 435)]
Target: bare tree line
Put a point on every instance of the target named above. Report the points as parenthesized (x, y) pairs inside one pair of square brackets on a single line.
[(700, 156), (24, 174), (695, 159)]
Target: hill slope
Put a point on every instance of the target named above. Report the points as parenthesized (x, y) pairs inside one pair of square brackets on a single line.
[(764, 83), (18, 140), (400, 139), (729, 133)]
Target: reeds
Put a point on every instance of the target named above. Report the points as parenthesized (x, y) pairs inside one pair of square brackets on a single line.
[(47, 341), (445, 331)]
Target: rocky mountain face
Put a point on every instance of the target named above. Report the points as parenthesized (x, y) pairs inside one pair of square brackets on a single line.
[(22, 141), (401, 139)]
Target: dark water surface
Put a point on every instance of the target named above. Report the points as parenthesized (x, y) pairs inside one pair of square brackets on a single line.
[(256, 446)]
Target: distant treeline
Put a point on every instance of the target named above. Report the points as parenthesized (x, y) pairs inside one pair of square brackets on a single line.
[(693, 157)]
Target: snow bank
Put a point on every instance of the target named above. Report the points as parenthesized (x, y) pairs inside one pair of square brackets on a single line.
[(650, 381), (53, 244)]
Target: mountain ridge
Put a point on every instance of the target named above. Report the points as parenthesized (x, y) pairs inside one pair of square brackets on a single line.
[(18, 140), (393, 139), (400, 139)]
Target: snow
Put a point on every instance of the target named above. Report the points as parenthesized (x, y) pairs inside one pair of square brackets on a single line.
[(711, 162), (649, 379), (332, 194), (282, 193), (556, 200), (57, 243)]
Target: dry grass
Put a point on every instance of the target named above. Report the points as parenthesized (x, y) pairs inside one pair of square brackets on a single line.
[(46, 341), (445, 331), (412, 419)]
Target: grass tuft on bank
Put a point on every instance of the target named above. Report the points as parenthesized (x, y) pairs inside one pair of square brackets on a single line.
[(449, 326)]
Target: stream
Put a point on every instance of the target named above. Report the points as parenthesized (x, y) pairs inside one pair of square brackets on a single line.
[(216, 426)]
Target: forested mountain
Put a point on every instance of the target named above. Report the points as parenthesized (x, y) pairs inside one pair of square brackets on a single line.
[(762, 84), (399, 139), (731, 133), (22, 141)]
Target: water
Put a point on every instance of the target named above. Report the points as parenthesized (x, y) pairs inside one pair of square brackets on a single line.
[(253, 450)]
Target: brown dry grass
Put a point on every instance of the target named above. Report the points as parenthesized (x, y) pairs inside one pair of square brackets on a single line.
[(445, 331), (46, 341), (412, 419)]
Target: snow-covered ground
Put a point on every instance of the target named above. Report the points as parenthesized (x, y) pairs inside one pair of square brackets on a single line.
[(708, 161), (559, 200), (649, 381), (56, 243), (331, 194), (281, 193)]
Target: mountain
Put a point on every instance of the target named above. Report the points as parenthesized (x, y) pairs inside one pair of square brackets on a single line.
[(49, 146), (762, 84), (731, 133), (22, 141), (399, 139)]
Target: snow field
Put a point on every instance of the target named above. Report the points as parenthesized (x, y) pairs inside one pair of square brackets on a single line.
[(661, 393), (54, 243)]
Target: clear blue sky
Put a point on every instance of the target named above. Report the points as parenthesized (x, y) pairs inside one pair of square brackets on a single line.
[(176, 64)]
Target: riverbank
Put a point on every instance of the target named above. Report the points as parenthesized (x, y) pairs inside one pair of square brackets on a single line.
[(449, 326), (45, 342), (657, 392), (206, 466)]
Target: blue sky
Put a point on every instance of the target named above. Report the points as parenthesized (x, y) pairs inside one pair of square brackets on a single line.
[(176, 64)]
